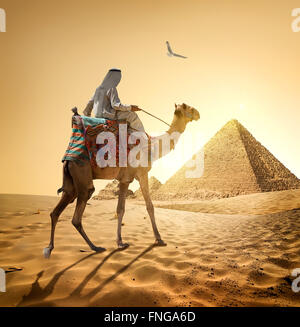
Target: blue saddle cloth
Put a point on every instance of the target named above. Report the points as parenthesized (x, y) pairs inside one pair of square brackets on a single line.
[(92, 121)]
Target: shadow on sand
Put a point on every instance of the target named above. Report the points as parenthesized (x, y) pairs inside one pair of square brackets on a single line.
[(37, 294)]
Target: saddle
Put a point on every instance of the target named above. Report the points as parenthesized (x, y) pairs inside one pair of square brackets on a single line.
[(86, 121), (83, 144)]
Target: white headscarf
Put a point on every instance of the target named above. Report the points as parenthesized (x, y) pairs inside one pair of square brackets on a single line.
[(111, 80)]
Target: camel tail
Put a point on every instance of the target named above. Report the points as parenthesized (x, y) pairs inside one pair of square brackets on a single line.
[(59, 190), (67, 174)]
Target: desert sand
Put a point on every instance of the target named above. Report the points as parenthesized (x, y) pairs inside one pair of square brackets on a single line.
[(231, 252)]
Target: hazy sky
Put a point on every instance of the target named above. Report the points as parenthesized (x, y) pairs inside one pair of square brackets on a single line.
[(243, 62)]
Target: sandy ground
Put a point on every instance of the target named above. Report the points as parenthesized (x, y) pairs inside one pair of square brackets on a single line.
[(212, 259)]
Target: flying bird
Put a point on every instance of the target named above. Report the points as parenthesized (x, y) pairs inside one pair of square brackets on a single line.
[(171, 53)]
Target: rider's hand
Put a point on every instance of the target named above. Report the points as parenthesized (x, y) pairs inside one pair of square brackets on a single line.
[(135, 108)]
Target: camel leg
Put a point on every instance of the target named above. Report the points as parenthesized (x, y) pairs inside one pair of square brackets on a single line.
[(68, 196), (120, 213), (76, 221), (64, 201), (83, 183), (150, 208)]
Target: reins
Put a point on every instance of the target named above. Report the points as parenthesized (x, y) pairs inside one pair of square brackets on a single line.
[(75, 112), (148, 113)]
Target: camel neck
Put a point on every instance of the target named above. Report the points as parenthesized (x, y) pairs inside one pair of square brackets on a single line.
[(178, 125)]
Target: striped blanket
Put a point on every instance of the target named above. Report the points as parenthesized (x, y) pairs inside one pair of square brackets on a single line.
[(76, 150)]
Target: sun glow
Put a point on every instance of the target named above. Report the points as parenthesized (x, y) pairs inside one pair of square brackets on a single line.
[(190, 142)]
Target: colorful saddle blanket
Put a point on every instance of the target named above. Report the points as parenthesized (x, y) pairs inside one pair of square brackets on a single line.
[(83, 145), (77, 149)]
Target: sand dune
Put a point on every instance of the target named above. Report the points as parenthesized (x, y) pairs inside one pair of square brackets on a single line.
[(252, 204), (212, 259)]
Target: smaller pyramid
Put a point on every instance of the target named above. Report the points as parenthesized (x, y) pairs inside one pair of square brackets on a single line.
[(111, 191), (235, 163), (154, 185)]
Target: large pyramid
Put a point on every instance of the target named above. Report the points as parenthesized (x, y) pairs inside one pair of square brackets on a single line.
[(234, 164)]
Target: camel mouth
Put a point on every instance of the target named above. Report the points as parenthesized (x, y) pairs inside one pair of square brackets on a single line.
[(196, 115)]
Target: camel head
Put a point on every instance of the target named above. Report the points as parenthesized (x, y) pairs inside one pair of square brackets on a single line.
[(182, 116), (185, 112)]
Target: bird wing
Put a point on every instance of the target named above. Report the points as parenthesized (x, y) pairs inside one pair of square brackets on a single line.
[(169, 48), (177, 55)]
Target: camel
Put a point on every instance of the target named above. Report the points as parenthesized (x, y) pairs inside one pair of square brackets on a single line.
[(78, 183)]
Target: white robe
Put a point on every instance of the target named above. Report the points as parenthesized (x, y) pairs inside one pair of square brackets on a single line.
[(109, 104), (106, 103)]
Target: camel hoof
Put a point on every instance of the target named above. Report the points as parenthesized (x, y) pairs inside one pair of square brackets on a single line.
[(123, 246), (160, 243), (98, 249), (47, 253)]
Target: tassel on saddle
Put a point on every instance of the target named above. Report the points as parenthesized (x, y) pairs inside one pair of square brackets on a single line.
[(75, 111)]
